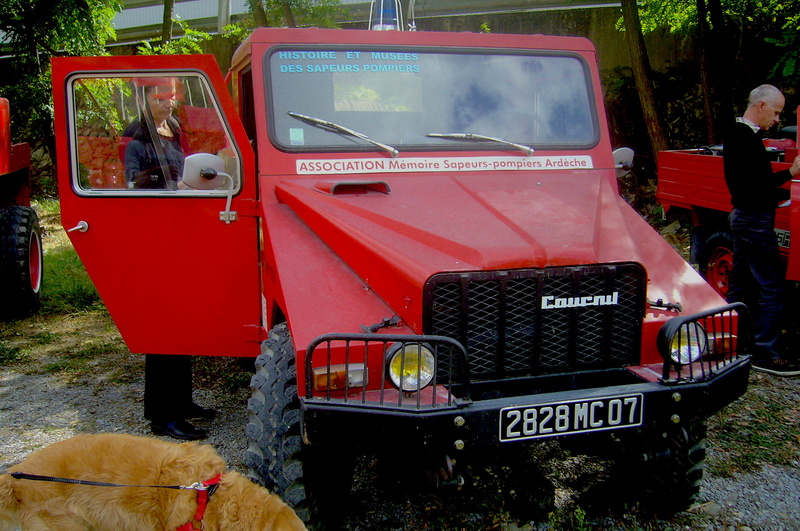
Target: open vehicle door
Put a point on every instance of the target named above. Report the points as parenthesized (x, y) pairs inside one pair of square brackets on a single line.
[(171, 245)]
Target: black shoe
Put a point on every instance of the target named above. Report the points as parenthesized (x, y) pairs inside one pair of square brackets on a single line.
[(777, 366), (195, 412), (178, 429)]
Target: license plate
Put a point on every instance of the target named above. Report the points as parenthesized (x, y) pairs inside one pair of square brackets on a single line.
[(572, 416)]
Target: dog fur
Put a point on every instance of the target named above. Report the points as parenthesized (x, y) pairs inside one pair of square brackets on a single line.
[(238, 503)]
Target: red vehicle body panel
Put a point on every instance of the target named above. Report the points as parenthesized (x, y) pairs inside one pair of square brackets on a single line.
[(382, 247), (339, 251), (175, 279), (689, 178), (13, 157), (429, 226)]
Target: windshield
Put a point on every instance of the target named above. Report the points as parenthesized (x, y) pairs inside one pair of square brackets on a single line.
[(418, 99)]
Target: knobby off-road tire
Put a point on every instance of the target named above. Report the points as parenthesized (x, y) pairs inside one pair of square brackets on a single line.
[(666, 477), (273, 427), (20, 262), (315, 484)]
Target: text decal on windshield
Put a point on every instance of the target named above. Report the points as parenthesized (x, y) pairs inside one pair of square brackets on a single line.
[(427, 164)]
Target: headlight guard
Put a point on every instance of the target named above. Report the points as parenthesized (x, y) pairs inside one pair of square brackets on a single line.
[(699, 346)]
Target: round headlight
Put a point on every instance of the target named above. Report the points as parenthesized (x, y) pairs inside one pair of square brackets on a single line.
[(411, 366), (689, 344)]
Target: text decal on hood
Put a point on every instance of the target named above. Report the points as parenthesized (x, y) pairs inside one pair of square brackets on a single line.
[(429, 164)]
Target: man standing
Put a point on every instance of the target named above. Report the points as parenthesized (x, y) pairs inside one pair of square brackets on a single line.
[(757, 278)]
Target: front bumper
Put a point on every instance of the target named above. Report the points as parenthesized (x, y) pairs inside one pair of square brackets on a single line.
[(476, 423), (457, 412)]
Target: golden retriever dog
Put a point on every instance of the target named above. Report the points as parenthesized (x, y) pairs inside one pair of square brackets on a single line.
[(32, 505)]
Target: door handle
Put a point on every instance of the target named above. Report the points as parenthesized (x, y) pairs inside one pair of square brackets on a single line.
[(82, 226)]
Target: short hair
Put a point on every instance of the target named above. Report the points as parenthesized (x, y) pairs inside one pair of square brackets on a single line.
[(765, 93)]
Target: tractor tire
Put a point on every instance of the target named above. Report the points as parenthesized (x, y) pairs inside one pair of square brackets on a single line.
[(664, 479), (21, 265), (276, 456), (716, 261)]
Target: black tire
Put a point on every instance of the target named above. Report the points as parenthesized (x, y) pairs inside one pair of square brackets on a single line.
[(665, 478), (21, 265), (276, 455), (716, 261)]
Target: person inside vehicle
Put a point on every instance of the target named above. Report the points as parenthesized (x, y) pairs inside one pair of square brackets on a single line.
[(154, 154), (757, 276), (154, 159)]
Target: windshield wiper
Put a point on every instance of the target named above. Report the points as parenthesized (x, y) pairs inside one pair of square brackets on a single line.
[(481, 138), (336, 128)]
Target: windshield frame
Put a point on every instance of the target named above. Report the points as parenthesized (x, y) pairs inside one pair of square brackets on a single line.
[(437, 145)]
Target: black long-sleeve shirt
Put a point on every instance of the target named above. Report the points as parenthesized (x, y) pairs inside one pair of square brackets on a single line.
[(748, 171)]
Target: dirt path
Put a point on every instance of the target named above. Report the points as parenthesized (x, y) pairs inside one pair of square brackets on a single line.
[(69, 374)]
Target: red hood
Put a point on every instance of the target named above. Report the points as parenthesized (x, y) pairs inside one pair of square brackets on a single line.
[(427, 224), (468, 222)]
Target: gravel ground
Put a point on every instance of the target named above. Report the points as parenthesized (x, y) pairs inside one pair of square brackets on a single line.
[(38, 408)]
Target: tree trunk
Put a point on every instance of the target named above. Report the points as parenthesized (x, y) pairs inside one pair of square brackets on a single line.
[(706, 77), (643, 76), (259, 14), (722, 53), (288, 16), (166, 26)]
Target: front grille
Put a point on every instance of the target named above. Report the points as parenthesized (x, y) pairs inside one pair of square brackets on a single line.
[(540, 321)]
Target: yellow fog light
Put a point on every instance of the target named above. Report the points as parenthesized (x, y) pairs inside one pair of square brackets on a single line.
[(689, 344), (411, 366)]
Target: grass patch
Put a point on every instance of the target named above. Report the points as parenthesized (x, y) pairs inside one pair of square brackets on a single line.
[(762, 427), (66, 286), (9, 355), (216, 371), (85, 358)]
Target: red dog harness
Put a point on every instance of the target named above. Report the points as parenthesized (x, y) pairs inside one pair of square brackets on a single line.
[(204, 492)]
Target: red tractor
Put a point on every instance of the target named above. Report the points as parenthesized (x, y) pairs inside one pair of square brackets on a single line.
[(420, 238), (694, 179), (20, 235)]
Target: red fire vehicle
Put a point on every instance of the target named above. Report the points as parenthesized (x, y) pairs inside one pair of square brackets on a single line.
[(694, 179), (420, 237), (20, 235)]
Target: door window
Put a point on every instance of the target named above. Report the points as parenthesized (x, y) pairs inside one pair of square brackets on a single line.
[(150, 134)]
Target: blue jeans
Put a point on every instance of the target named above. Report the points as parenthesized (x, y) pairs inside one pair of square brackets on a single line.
[(757, 277)]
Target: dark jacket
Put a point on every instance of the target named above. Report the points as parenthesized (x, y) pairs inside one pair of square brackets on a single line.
[(142, 165), (748, 171)]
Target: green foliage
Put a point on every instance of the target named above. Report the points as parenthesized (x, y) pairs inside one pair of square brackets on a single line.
[(747, 23), (93, 99), (316, 13), (569, 519), (788, 66), (680, 16), (36, 30), (188, 43)]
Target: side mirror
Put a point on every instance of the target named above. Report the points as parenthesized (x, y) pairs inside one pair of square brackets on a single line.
[(204, 171), (623, 161)]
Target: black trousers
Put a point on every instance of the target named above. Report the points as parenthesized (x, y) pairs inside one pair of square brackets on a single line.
[(167, 387), (757, 278)]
